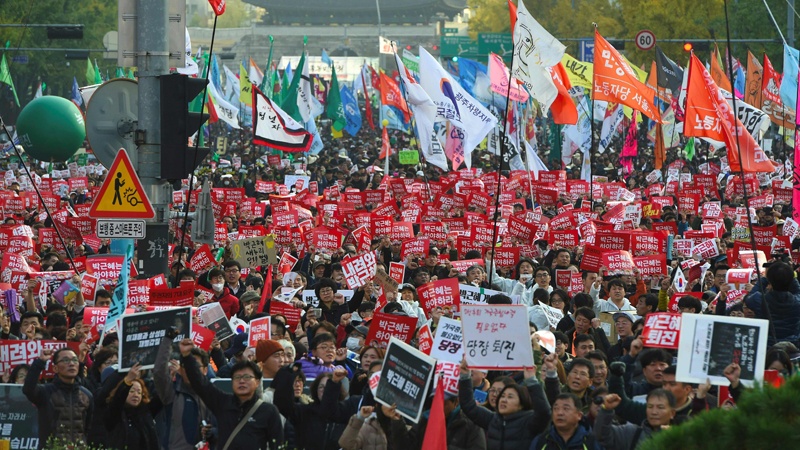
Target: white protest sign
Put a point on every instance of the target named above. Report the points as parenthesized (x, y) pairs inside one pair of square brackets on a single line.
[(709, 343), (448, 344), (496, 336), (554, 315)]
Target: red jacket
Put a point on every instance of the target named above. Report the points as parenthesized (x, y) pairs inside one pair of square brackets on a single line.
[(229, 302)]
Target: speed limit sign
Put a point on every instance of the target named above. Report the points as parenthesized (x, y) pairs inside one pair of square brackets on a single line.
[(645, 40)]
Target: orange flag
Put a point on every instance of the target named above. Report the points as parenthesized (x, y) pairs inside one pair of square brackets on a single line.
[(512, 9), (659, 151), (391, 95), (717, 72), (652, 83), (386, 148), (563, 108), (615, 81), (755, 72), (709, 115)]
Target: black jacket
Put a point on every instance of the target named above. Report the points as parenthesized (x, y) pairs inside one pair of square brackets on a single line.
[(462, 434), (65, 410), (130, 427), (513, 431), (262, 431)]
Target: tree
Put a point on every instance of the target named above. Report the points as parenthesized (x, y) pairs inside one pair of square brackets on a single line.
[(765, 418)]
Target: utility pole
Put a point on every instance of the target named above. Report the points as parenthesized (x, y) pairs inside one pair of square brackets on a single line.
[(790, 24), (152, 60)]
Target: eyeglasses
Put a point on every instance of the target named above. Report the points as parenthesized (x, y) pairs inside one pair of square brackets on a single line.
[(231, 270), (69, 361), (542, 275), (325, 290), (243, 377)]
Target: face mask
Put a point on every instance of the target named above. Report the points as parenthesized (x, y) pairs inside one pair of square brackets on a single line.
[(352, 343), (218, 286), (525, 277)]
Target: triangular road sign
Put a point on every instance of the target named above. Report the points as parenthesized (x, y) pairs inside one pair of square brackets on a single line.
[(122, 196)]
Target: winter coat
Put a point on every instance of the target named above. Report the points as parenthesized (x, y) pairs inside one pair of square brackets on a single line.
[(262, 431), (313, 367), (65, 410), (623, 437), (130, 427), (583, 439), (363, 434), (784, 310), (512, 431)]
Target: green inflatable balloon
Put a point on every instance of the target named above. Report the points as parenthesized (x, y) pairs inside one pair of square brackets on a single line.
[(51, 128)]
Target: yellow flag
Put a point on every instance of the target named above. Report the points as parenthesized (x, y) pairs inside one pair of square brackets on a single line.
[(578, 72), (336, 134), (245, 87)]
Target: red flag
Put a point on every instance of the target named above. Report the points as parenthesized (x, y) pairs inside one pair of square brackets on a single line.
[(563, 108), (376, 79), (218, 6), (386, 148), (436, 430), (367, 105), (708, 114), (391, 95), (266, 290), (614, 81), (771, 83), (512, 9)]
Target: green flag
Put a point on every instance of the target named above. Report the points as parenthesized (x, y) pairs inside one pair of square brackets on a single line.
[(91, 74), (120, 73), (334, 109), (289, 101), (5, 77), (130, 74), (275, 82), (555, 142), (98, 78), (689, 149)]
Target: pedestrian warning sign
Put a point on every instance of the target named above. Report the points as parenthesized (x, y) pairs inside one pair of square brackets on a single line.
[(122, 196)]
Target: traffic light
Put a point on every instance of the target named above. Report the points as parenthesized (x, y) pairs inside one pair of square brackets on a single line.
[(178, 124), (697, 46), (688, 46)]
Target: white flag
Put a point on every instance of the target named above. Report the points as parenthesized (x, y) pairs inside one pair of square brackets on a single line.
[(304, 104), (535, 163), (226, 112), (610, 124), (274, 128), (535, 50), (191, 66), (424, 111), (454, 104), (231, 85)]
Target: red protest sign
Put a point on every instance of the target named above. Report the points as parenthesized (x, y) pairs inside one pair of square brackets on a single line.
[(385, 326), (439, 294), (138, 292), (417, 246), (425, 339), (259, 331), (651, 266), (359, 269), (397, 272), (180, 296), (563, 278), (287, 310), (506, 257), (617, 262), (592, 259), (673, 301), (88, 286), (287, 262), (202, 336), (662, 330), (575, 283), (14, 352), (564, 238)]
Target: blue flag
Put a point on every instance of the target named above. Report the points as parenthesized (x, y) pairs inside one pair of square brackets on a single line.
[(75, 95), (789, 83), (326, 59), (119, 299), (468, 72), (288, 72), (316, 144), (215, 77), (738, 83), (351, 111), (395, 118)]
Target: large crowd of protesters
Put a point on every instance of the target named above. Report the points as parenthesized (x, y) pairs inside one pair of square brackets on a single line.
[(594, 391)]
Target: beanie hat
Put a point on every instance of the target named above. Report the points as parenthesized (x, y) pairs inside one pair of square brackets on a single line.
[(266, 348)]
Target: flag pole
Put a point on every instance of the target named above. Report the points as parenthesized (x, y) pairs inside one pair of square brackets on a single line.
[(412, 124), (591, 135), (741, 165), (502, 154)]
